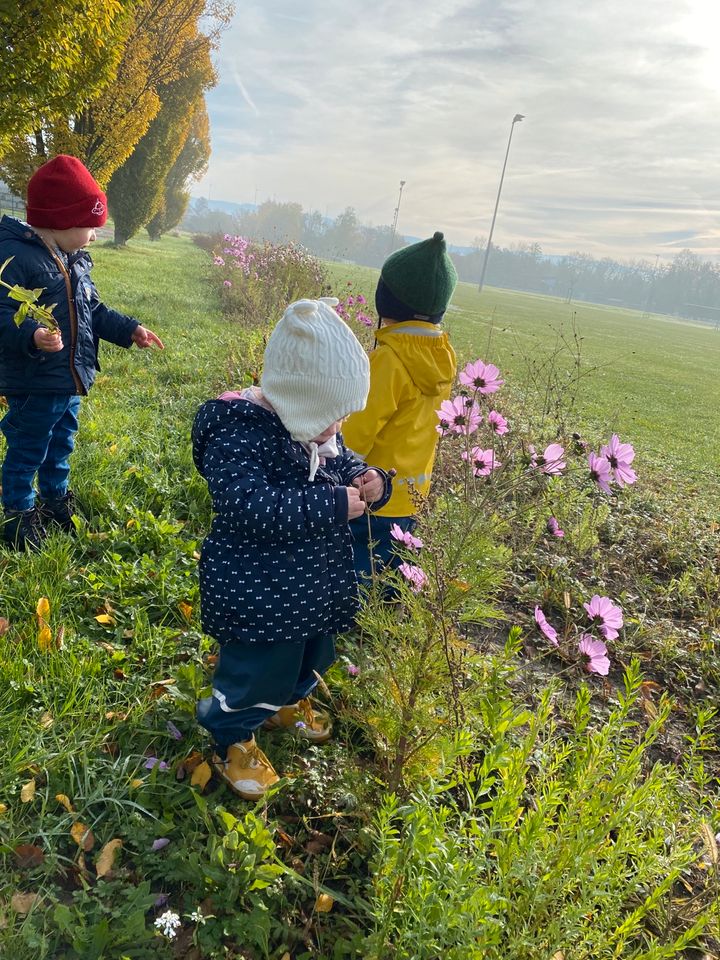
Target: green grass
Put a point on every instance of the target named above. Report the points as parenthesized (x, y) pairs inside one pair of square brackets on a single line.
[(82, 721), (652, 379)]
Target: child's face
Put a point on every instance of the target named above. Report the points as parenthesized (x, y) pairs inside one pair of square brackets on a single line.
[(330, 432), (74, 239)]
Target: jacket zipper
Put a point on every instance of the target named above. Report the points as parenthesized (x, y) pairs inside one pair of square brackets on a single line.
[(73, 318)]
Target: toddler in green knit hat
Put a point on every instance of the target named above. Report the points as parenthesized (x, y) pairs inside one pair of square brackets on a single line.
[(412, 370)]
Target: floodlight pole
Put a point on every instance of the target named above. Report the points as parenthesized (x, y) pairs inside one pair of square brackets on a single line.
[(516, 119), (395, 218)]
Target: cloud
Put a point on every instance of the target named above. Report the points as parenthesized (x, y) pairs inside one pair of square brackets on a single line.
[(334, 106)]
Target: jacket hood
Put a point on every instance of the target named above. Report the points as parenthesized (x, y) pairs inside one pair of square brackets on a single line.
[(424, 351)]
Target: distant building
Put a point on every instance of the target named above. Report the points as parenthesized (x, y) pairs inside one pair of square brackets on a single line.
[(10, 202)]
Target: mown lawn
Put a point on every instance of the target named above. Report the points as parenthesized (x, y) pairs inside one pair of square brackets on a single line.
[(652, 379)]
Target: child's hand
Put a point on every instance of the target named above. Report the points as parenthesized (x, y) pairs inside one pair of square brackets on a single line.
[(47, 341), (144, 338), (371, 486), (356, 506)]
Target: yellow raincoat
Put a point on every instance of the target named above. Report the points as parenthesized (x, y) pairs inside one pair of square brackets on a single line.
[(411, 373)]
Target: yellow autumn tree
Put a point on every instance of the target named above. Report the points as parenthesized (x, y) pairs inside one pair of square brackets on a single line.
[(105, 131), (55, 57), (190, 165), (136, 189)]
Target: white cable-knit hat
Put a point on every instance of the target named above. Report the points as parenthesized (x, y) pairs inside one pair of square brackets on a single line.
[(315, 371)]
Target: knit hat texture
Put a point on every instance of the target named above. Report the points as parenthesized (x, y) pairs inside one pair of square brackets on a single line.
[(417, 282), (63, 194), (315, 371)]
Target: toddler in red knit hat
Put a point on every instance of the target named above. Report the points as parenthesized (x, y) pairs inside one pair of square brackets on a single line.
[(43, 373)]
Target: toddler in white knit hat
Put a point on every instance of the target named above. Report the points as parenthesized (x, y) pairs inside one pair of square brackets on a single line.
[(277, 582)]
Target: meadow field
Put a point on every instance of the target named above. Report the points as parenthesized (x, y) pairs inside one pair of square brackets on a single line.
[(651, 378), (549, 815)]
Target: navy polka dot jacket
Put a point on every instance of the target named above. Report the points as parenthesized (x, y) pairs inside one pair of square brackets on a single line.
[(278, 562)]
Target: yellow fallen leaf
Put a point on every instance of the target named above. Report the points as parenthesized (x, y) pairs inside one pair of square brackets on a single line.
[(324, 903), (185, 609), (47, 720), (45, 639), (82, 835), (106, 857), (22, 903), (201, 774), (105, 618), (112, 448), (59, 637), (28, 791), (558, 956), (3, 808), (43, 608), (65, 802), (135, 784)]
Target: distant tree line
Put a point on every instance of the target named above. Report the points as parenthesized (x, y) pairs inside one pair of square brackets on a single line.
[(121, 85), (687, 286)]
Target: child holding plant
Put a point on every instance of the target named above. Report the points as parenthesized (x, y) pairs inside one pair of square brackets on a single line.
[(276, 571), (411, 373), (48, 351)]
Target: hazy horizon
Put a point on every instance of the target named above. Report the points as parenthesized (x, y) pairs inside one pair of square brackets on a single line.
[(333, 105)]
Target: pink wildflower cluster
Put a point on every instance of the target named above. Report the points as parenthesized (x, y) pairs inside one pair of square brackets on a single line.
[(612, 465), (353, 307), (267, 261), (605, 618), (463, 415)]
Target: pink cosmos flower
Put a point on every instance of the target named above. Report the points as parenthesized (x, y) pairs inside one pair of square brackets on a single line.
[(549, 631), (350, 301), (352, 670), (600, 471), (596, 652), (364, 319), (483, 461), (360, 299), (218, 261), (498, 423), (550, 461), (461, 415), (405, 537), (553, 527), (620, 456), (605, 615), (227, 283), (416, 576), (482, 377)]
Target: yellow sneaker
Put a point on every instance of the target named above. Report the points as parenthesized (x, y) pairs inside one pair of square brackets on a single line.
[(246, 770), (313, 725)]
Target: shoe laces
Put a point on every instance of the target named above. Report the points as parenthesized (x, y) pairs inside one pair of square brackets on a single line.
[(310, 715)]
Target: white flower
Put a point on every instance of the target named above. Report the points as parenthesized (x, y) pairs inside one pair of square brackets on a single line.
[(197, 916), (168, 923)]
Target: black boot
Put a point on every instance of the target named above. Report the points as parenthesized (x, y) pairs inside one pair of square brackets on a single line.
[(60, 512), (23, 529)]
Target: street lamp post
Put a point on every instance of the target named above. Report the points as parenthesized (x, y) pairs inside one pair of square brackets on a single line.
[(516, 119), (395, 218)]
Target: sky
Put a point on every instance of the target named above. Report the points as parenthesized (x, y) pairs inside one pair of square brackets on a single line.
[(331, 103)]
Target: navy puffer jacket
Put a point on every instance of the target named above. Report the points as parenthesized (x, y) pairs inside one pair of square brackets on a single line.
[(82, 318), (278, 562)]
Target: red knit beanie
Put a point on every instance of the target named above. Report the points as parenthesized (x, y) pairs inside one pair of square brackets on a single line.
[(62, 194)]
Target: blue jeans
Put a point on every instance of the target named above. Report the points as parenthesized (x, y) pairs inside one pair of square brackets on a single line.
[(377, 533), (252, 681), (40, 433)]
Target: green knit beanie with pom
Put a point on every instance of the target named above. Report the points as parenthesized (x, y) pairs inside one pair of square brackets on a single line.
[(422, 276)]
